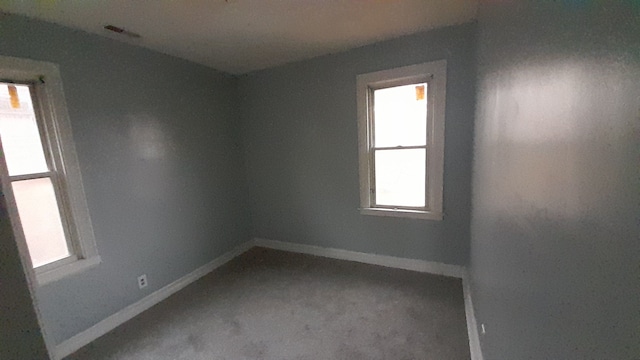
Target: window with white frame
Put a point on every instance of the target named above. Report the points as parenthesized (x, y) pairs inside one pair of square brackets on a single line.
[(401, 116), (43, 169)]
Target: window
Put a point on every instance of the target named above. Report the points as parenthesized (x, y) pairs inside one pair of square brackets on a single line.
[(401, 140), (43, 169)]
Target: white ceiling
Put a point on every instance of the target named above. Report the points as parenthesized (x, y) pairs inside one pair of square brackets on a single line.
[(239, 36)]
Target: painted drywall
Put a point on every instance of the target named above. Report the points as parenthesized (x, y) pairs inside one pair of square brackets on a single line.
[(301, 143), (159, 152), (20, 334), (556, 200)]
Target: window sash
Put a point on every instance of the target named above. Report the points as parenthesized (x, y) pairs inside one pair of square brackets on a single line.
[(30, 176), (51, 112), (50, 135), (61, 212), (372, 178), (47, 137), (371, 99), (434, 73), (372, 149)]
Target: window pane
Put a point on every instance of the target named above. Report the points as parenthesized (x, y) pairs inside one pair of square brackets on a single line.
[(400, 177), (19, 131), (40, 217), (400, 115)]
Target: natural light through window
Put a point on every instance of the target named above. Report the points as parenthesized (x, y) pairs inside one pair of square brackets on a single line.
[(30, 176), (399, 143), (401, 140), (40, 220), (48, 207)]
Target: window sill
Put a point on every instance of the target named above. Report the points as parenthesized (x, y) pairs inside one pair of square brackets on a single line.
[(60, 272), (411, 214)]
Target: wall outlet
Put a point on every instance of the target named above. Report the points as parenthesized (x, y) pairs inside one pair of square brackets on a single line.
[(482, 329), (142, 281)]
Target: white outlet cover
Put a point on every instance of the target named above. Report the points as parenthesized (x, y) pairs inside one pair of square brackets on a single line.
[(142, 281)]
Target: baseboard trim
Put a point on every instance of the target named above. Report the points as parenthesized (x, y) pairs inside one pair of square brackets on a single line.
[(424, 266), (76, 342), (472, 324)]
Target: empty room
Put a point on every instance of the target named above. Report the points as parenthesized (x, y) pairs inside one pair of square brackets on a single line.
[(302, 179)]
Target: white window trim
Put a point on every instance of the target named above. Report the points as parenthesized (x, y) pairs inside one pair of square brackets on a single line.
[(50, 107), (435, 74)]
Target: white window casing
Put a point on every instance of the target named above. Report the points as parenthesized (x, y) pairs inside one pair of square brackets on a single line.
[(53, 119), (434, 74)]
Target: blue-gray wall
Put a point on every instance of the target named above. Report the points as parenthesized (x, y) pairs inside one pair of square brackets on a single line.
[(20, 333), (556, 189), (159, 151), (301, 142)]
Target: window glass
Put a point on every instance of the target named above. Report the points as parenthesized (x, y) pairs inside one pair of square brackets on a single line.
[(401, 140), (34, 191), (400, 177), (19, 130), (400, 116), (40, 219), (43, 170)]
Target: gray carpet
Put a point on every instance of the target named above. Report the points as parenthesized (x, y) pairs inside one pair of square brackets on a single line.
[(274, 305)]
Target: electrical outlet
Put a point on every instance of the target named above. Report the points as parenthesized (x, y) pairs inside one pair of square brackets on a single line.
[(482, 329), (142, 281)]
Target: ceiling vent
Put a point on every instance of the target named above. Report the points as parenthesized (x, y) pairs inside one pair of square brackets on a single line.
[(121, 31)]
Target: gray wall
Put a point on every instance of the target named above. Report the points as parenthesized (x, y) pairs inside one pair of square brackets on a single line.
[(158, 147), (20, 333), (556, 189), (301, 143)]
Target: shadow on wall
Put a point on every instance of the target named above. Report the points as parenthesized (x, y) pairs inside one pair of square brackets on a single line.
[(555, 237)]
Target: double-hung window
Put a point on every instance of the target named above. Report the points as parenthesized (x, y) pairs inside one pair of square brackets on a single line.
[(401, 140), (43, 169)]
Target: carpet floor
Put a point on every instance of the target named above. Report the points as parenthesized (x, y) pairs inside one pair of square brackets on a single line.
[(274, 305)]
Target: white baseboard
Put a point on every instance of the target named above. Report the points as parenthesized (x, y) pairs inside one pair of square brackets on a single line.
[(472, 324), (76, 342), (424, 266)]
